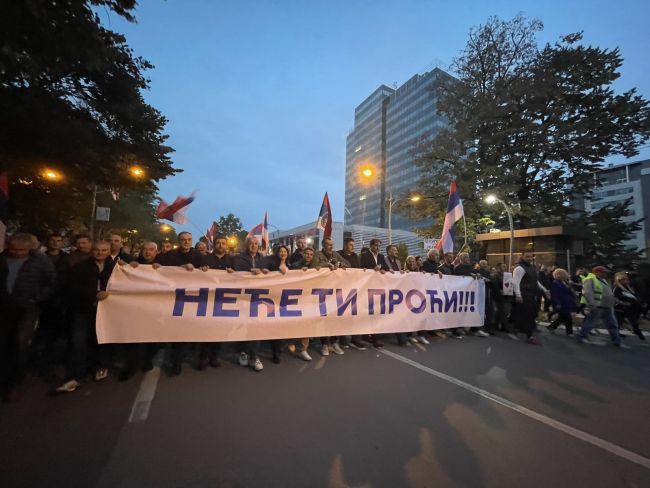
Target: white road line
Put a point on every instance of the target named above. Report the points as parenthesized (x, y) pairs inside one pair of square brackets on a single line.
[(567, 429), (142, 402)]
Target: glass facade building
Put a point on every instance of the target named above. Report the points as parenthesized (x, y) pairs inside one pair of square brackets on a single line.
[(387, 126)]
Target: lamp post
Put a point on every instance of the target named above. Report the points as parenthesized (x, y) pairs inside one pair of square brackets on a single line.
[(362, 198), (490, 199), (391, 202)]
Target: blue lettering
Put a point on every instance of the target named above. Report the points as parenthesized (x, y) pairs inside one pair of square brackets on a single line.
[(322, 294), (182, 298), (286, 300), (350, 301), (395, 297), (409, 301), (450, 300), (257, 299), (434, 300), (220, 299), (372, 293)]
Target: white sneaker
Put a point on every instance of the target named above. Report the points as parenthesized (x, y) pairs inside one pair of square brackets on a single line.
[(337, 349), (304, 355), (513, 336), (482, 333), (423, 340), (69, 386), (623, 346), (414, 340), (243, 359), (325, 350), (101, 374), (257, 365)]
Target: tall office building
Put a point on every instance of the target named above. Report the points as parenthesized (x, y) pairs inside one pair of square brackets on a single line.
[(618, 183), (387, 125)]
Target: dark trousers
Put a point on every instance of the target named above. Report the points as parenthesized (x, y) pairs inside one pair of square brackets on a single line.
[(632, 318), (52, 326), (504, 311), (85, 352), (249, 347), (17, 324), (525, 314), (209, 350), (139, 355), (563, 318)]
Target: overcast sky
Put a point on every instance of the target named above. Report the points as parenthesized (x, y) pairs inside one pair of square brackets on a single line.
[(260, 95)]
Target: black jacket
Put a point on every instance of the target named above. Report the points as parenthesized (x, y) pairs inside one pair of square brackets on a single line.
[(85, 281), (430, 266), (179, 258), (368, 261), (352, 258), (127, 258), (215, 262), (244, 262), (34, 283)]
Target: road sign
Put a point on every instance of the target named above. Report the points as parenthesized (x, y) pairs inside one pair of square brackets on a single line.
[(103, 214)]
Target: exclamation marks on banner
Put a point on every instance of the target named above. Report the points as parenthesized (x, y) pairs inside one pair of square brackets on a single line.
[(466, 301)]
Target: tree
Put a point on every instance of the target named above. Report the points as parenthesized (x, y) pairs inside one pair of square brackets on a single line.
[(528, 124), (606, 231), (71, 99)]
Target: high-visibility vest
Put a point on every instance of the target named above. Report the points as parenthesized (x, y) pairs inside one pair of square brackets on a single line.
[(598, 289)]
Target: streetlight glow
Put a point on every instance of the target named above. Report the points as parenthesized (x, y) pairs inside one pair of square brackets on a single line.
[(367, 172), (416, 198), (165, 228), (490, 199), (51, 175), (136, 171)]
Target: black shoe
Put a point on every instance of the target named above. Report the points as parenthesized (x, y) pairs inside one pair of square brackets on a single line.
[(203, 364), (214, 363), (376, 343), (358, 345), (147, 366), (276, 358)]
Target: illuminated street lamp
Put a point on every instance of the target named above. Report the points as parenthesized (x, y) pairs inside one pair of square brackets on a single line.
[(165, 228), (136, 171), (491, 199), (51, 175)]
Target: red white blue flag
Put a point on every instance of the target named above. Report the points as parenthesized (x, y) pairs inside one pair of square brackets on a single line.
[(211, 235), (454, 214), (176, 211), (324, 221)]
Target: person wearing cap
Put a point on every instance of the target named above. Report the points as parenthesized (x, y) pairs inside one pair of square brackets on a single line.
[(599, 301)]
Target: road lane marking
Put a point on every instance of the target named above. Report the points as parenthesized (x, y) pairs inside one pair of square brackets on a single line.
[(146, 393), (555, 424)]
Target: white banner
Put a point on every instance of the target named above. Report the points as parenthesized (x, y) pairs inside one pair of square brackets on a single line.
[(176, 305)]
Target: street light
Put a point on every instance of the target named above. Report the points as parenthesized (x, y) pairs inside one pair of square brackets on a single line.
[(490, 199), (136, 171), (51, 174), (165, 228)]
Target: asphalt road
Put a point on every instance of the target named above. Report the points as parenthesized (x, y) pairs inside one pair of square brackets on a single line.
[(472, 412)]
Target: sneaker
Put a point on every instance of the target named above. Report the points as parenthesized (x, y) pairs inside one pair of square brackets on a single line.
[(257, 365), (513, 336), (584, 340), (325, 350), (101, 374), (68, 386), (304, 355), (413, 339), (376, 343), (337, 349), (243, 359), (622, 346), (482, 333), (423, 340), (457, 336), (440, 334), (358, 345)]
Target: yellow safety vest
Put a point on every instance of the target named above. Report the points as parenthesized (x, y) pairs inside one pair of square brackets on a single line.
[(598, 289)]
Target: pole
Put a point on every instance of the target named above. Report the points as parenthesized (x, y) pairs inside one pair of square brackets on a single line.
[(91, 227), (512, 234)]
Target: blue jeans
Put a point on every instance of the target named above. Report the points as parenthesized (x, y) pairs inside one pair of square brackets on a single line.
[(607, 316)]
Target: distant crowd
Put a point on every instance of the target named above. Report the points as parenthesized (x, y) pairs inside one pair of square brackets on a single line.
[(49, 297)]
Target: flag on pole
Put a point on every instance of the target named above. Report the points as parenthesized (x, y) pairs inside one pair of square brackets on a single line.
[(211, 235), (265, 234), (176, 211), (454, 214), (324, 221)]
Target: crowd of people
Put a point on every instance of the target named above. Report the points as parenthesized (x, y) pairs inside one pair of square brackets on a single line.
[(49, 297)]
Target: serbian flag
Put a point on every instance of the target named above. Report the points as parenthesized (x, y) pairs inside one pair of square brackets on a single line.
[(176, 211), (261, 232), (4, 195), (211, 234), (324, 221), (454, 214)]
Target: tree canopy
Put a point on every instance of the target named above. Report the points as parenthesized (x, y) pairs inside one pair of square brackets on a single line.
[(71, 99), (527, 123)]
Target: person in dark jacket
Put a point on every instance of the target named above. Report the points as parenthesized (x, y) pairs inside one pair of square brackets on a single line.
[(278, 262), (87, 286), (627, 306), (373, 259), (351, 257), (82, 247), (53, 319), (117, 249), (447, 265), (253, 261), (301, 245), (526, 288), (564, 301), (432, 263), (27, 278), (189, 258)]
